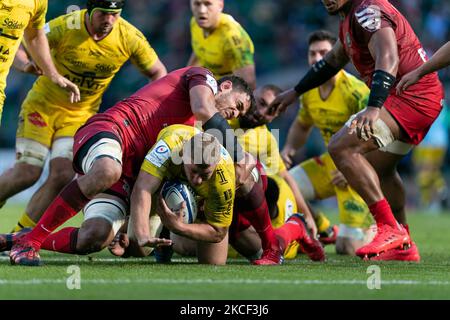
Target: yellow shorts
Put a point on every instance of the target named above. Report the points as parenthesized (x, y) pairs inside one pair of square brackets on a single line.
[(42, 121), (353, 211)]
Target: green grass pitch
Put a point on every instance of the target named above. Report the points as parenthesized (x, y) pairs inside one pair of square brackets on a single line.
[(105, 277)]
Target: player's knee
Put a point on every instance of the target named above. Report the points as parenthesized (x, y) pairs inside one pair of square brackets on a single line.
[(106, 176)]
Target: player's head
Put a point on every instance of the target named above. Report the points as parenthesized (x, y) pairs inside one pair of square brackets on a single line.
[(259, 114), (334, 6), (201, 154), (319, 44), (207, 12), (234, 97), (103, 14)]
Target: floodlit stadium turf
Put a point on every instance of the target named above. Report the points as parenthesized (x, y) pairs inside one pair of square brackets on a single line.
[(106, 277)]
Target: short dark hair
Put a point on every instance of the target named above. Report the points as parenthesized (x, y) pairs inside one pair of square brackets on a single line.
[(322, 35), (239, 85)]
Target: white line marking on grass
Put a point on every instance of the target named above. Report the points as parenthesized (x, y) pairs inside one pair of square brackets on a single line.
[(222, 281)]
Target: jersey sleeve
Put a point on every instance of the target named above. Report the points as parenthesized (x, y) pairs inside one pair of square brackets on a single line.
[(38, 19), (142, 54), (303, 115), (198, 76), (239, 49), (157, 160), (54, 30), (369, 18), (221, 192)]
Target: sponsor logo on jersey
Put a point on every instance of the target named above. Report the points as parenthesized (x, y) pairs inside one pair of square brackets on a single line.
[(36, 119), (5, 7), (159, 154), (369, 17), (13, 24)]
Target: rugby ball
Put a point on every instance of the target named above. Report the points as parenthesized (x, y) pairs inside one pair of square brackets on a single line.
[(174, 193)]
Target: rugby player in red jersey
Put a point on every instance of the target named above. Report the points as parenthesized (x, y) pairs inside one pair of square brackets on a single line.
[(383, 47), (109, 150)]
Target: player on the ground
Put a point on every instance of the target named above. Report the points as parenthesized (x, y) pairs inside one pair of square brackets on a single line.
[(214, 184), (197, 158), (439, 60), (110, 148), (25, 19), (328, 107), (383, 47), (219, 42), (90, 56)]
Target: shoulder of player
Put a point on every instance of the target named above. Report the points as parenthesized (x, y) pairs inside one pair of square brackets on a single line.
[(128, 30), (229, 26), (349, 81), (68, 19)]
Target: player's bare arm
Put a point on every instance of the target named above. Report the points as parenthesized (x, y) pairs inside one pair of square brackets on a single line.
[(439, 60), (317, 75), (24, 64), (383, 48), (203, 103), (39, 49), (297, 136), (247, 73), (141, 203), (173, 220), (158, 70)]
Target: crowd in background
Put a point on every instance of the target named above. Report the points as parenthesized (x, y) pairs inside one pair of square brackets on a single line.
[(278, 28)]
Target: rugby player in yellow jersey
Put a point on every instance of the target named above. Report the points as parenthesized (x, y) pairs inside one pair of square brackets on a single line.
[(25, 19), (197, 158), (90, 55), (328, 107), (219, 42)]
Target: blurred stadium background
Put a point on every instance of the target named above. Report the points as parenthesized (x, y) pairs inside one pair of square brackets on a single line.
[(279, 30)]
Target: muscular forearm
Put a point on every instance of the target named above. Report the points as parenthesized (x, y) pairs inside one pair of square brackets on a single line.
[(200, 232), (439, 60), (139, 214), (21, 59), (39, 49)]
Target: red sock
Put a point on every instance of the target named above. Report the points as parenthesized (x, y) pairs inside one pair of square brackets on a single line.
[(66, 205), (290, 231), (253, 206), (64, 241), (382, 213)]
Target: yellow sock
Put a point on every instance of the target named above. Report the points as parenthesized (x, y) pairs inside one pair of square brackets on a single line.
[(24, 222), (322, 222)]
